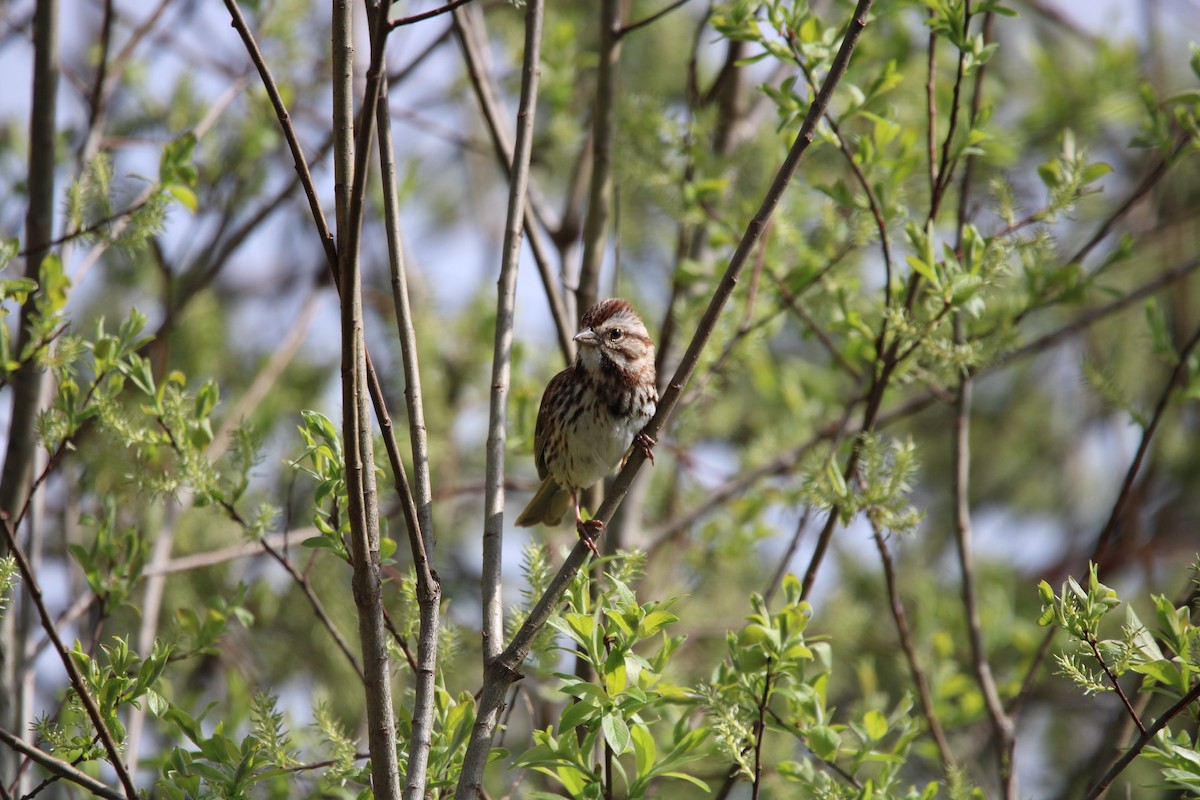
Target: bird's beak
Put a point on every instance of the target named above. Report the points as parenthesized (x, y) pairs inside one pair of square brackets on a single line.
[(587, 337)]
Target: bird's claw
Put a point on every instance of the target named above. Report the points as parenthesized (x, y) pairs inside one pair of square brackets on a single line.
[(588, 532), (645, 442)]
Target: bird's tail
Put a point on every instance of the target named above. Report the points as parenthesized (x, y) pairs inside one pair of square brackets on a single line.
[(548, 506)]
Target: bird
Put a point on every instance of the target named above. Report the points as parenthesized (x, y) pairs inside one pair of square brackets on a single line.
[(592, 414)]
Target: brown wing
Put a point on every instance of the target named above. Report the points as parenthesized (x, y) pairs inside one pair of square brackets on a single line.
[(541, 432)]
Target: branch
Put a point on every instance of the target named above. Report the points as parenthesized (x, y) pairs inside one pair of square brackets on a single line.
[(600, 194), (470, 37), (1002, 725), (650, 20), (318, 608), (58, 767), (21, 450), (437, 12), (502, 671), (910, 652), (1143, 740), (350, 164), (77, 681), (1164, 398), (418, 505), (493, 520)]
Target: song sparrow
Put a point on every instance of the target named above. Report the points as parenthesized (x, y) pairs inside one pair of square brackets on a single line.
[(592, 413)]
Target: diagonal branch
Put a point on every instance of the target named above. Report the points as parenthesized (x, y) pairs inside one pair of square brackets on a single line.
[(502, 671), (77, 681), (1141, 742), (62, 769)]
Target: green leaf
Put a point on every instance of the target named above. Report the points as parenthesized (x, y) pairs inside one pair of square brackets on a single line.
[(644, 748), (875, 725), (824, 741), (616, 733)]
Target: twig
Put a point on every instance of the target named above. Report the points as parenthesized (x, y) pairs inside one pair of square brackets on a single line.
[(502, 671), (84, 231), (77, 681), (1143, 740), (860, 177), (289, 132), (417, 503), (1114, 517), (910, 652), (437, 12), (600, 193), (1156, 173), (760, 732), (470, 37), (61, 768), (946, 170), (317, 606), (1164, 398), (1133, 715), (650, 20), (493, 520), (1002, 725), (350, 187)]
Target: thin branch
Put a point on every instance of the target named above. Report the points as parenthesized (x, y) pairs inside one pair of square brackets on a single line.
[(502, 671), (760, 732), (58, 767), (946, 170), (473, 45), (1143, 740), (910, 652), (600, 193), (222, 555), (493, 520), (437, 12), (859, 176), (289, 132), (317, 606), (1001, 724), (94, 227), (351, 153), (1112, 678), (650, 20), (1156, 173), (1114, 518), (111, 748), (1126, 490), (417, 503)]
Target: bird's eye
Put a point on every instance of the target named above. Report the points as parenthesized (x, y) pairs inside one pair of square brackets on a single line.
[(614, 334)]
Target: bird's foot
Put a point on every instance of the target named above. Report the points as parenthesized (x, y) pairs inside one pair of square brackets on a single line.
[(588, 531), (645, 442)]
